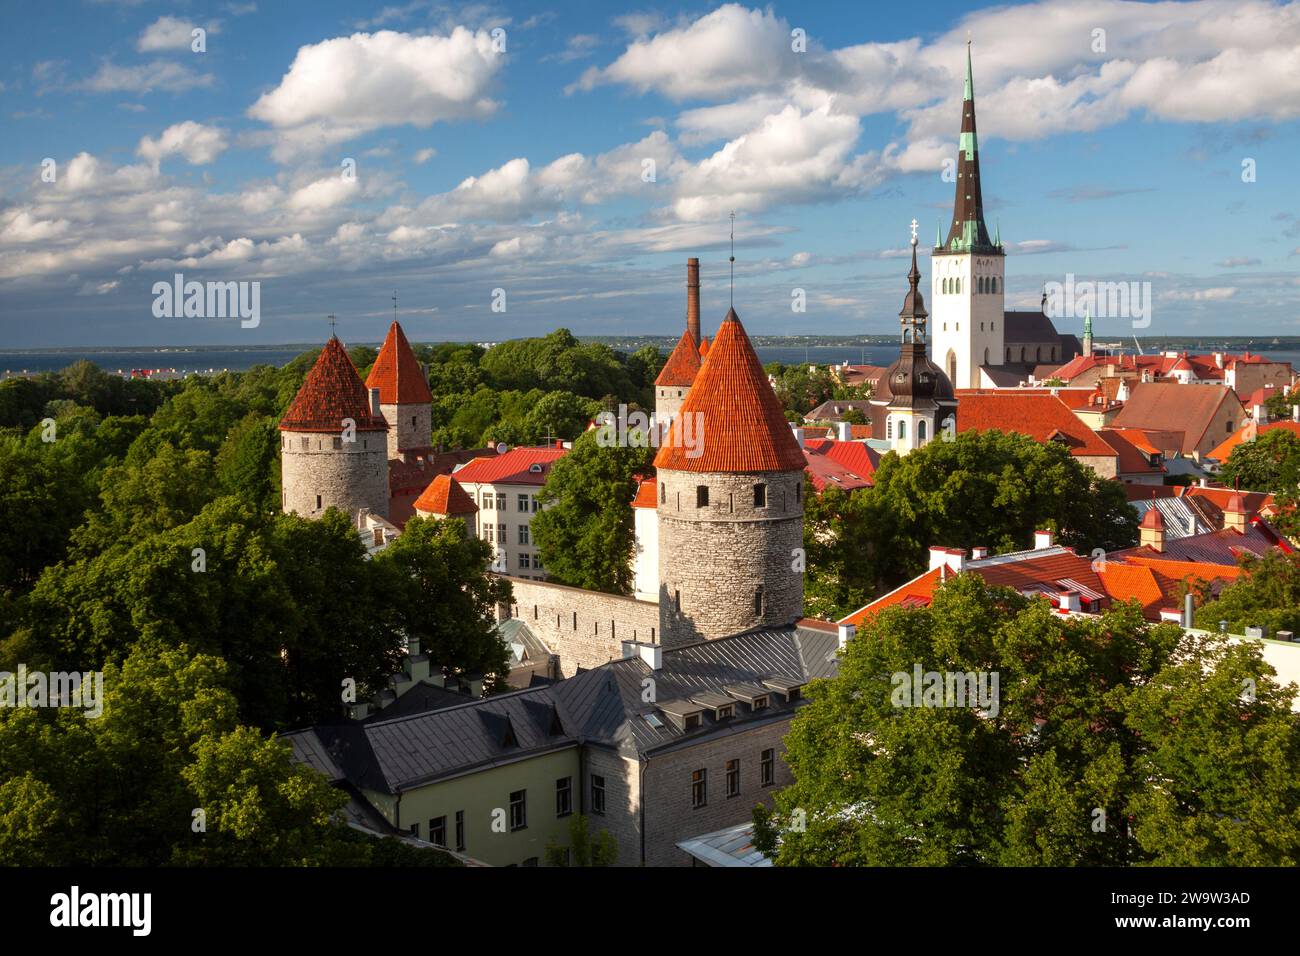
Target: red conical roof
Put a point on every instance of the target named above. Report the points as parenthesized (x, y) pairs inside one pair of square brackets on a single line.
[(445, 496), (742, 428), (1153, 520), (682, 365), (397, 374), (331, 392), (704, 347)]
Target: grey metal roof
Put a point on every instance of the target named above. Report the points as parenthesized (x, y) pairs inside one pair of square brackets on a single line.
[(605, 705), (733, 846)]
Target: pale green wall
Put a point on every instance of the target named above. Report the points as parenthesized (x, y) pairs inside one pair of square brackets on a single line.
[(478, 794)]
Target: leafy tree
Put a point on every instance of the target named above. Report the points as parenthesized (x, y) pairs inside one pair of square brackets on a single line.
[(1266, 595), (440, 588), (839, 542), (583, 849), (248, 464), (585, 532), (800, 388), (1269, 463), (1109, 741), (1279, 406), (854, 417)]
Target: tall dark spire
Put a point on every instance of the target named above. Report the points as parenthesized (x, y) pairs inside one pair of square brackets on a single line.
[(913, 315), (968, 232)]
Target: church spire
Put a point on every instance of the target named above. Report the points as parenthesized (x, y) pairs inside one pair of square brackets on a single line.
[(913, 315), (968, 232)]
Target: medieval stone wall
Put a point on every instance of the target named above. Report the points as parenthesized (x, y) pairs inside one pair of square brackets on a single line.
[(585, 628), (404, 433), (715, 559), (344, 475)]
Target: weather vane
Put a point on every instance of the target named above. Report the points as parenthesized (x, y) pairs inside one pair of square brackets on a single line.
[(331, 318), (733, 258), (394, 305)]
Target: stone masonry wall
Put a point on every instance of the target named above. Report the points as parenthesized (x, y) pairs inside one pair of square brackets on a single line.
[(669, 814), (349, 477), (403, 434), (717, 556), (585, 628), (622, 816), (668, 402)]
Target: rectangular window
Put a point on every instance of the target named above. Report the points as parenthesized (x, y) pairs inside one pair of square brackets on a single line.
[(523, 504), (438, 831), (318, 502), (564, 796), (699, 789), (692, 721), (460, 831), (415, 830), (487, 500), (701, 496), (523, 534), (519, 810), (501, 533), (767, 768), (537, 562), (733, 778), (760, 496), (523, 561), (502, 504), (338, 444), (488, 531), (597, 795), (760, 703)]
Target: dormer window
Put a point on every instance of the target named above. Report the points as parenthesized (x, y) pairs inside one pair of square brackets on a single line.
[(692, 722), (760, 703), (725, 711)]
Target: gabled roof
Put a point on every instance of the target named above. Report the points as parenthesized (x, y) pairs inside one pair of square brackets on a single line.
[(743, 428), (1224, 449), (1223, 547), (1028, 328), (1043, 417), (1133, 450), (682, 366), (1170, 406), (331, 392), (839, 464), (397, 373), (445, 496), (518, 466)]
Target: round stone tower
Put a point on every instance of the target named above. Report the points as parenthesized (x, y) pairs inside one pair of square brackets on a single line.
[(404, 397), (333, 442), (730, 510)]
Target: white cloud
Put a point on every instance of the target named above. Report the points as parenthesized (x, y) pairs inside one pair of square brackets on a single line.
[(1217, 294), (199, 144), (322, 194), (338, 89), (170, 33), (159, 75), (424, 155)]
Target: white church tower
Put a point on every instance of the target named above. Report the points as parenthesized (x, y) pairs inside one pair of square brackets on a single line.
[(967, 294)]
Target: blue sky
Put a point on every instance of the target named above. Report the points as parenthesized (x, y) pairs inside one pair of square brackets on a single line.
[(481, 168)]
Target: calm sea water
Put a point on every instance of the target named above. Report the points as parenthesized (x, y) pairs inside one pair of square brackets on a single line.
[(185, 361)]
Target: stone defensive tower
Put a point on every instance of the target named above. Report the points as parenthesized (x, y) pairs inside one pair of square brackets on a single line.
[(730, 510), (333, 449), (404, 397)]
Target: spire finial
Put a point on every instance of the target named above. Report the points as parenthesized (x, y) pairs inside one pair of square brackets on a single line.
[(969, 92), (394, 305), (733, 258), (331, 318), (914, 224)]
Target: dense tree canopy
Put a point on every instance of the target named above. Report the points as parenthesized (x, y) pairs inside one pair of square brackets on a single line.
[(1053, 765), (1267, 595)]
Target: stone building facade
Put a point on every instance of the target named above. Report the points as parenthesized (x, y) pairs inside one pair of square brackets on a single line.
[(404, 397)]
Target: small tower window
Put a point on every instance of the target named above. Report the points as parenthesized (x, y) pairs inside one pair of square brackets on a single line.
[(663, 494), (318, 502), (902, 429), (677, 600), (798, 492), (920, 430), (701, 496), (760, 496), (758, 603), (412, 421), (889, 428)]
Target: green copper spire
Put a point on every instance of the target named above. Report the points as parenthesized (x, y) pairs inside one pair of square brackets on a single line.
[(938, 235), (997, 234), (968, 233), (1087, 324), (969, 91)]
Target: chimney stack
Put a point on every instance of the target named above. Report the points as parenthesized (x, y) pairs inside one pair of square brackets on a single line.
[(1151, 532), (1043, 539), (846, 633), (1235, 515), (693, 299), (374, 403)]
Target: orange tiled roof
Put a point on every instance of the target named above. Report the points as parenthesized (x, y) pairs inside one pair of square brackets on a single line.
[(704, 346), (918, 590), (1132, 447), (682, 365), (1168, 406), (742, 427), (1224, 449), (445, 496), (397, 374), (1040, 416), (331, 392), (514, 467), (646, 494)]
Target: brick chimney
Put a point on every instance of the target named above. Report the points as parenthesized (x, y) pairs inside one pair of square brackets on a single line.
[(693, 298), (1151, 532), (1235, 516)]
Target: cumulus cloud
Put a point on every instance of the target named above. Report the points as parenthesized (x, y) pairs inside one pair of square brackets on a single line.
[(146, 78), (199, 144), (341, 88)]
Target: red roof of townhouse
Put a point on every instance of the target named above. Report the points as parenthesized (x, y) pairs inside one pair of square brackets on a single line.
[(1223, 547), (445, 496), (846, 465), (1133, 449), (397, 373), (1224, 449), (332, 392), (1169, 406), (647, 494), (742, 427), (1041, 416), (518, 466), (682, 366)]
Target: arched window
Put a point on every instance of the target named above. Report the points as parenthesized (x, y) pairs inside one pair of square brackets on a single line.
[(1008, 355), (986, 356), (1038, 354), (902, 429), (1022, 353), (952, 368), (995, 285), (945, 286), (1053, 358), (920, 430)]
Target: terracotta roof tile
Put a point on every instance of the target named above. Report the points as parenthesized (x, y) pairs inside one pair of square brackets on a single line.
[(515, 467), (912, 594), (1043, 417), (704, 346), (1169, 406), (646, 494), (682, 365), (445, 496), (331, 392), (1223, 450), (397, 374), (742, 427)]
